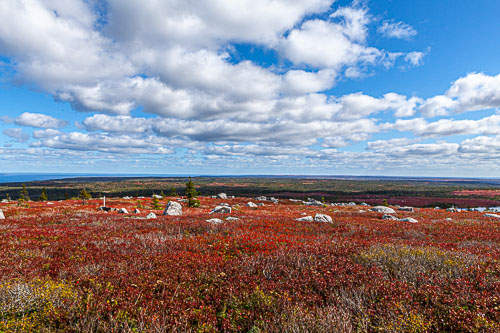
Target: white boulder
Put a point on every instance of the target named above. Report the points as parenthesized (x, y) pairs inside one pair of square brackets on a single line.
[(151, 216), (122, 211), (2, 217), (222, 196), (492, 215), (305, 219), (389, 217), (383, 209), (173, 209), (215, 221), (323, 218), (406, 209), (251, 204), (137, 211)]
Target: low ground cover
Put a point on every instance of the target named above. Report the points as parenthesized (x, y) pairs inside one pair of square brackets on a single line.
[(69, 267)]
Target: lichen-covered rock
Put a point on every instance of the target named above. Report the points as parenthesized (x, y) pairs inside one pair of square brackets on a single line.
[(221, 210), (408, 219), (173, 209)]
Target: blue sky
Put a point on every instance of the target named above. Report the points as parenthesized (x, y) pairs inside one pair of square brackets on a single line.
[(398, 88)]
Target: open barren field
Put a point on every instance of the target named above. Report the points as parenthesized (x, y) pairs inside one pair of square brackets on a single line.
[(69, 267)]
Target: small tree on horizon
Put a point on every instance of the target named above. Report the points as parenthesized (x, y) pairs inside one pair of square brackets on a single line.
[(84, 195), (173, 192), (191, 194), (43, 195), (24, 194), (156, 203)]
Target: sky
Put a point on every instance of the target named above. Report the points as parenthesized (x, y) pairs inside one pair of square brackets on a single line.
[(288, 87)]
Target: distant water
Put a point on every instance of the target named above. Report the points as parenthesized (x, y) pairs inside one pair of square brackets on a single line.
[(27, 177)]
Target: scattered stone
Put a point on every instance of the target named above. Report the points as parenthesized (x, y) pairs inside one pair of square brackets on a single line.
[(221, 210), (295, 200), (215, 221), (183, 200), (127, 198), (173, 209), (260, 204), (123, 211), (104, 209), (383, 209), (363, 204), (5, 201), (452, 210), (222, 196), (137, 211), (2, 217), (351, 204), (224, 204), (492, 215), (232, 218), (157, 196), (305, 219), (50, 203), (262, 198), (408, 219), (389, 217), (214, 197), (313, 202), (151, 216), (251, 204), (406, 209), (274, 200), (141, 197), (113, 209), (323, 218), (362, 211), (449, 219)]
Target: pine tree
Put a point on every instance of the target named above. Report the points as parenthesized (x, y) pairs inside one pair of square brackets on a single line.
[(84, 195), (24, 194), (156, 203), (173, 192), (191, 194), (43, 195)]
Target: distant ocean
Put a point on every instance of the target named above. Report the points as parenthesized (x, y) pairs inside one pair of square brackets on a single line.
[(27, 177)]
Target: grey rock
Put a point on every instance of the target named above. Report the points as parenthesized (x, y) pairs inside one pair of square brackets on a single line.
[(137, 211), (305, 219), (215, 221), (173, 209), (251, 204), (157, 196), (389, 217), (232, 218), (383, 209), (323, 218), (408, 219), (122, 211), (104, 209), (222, 196), (406, 209), (5, 201), (2, 217), (151, 216), (492, 215), (452, 210), (262, 198), (221, 210)]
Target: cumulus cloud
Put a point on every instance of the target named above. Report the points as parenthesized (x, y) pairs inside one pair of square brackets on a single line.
[(17, 134), (399, 30), (39, 120)]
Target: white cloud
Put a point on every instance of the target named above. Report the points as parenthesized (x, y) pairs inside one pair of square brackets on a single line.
[(415, 58), (399, 30), (17, 134), (39, 120)]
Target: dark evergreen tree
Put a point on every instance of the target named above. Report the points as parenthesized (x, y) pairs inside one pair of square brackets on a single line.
[(191, 194)]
